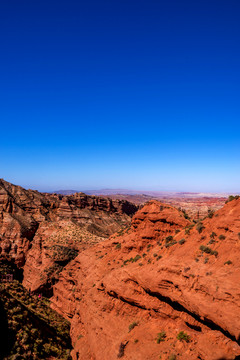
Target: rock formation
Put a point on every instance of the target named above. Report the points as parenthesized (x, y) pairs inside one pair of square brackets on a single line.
[(43, 232), (164, 289)]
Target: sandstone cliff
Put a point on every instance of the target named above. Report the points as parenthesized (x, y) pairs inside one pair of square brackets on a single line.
[(164, 289), (43, 232)]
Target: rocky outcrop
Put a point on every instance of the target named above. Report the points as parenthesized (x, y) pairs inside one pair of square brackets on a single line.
[(164, 288), (43, 232)]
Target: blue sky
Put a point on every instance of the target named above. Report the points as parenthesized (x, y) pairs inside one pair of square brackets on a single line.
[(120, 94)]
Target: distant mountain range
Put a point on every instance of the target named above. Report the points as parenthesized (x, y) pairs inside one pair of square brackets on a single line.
[(155, 194)]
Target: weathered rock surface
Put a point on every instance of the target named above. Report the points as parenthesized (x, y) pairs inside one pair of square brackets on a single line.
[(163, 275), (162, 288), (43, 232)]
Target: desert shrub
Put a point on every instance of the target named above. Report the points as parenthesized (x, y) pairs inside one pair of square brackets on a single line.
[(208, 250), (118, 246), (212, 235), (132, 325), (206, 260), (210, 213), (161, 337), (159, 257), (204, 248), (182, 336), (182, 241), (212, 241), (172, 357), (222, 237), (231, 198), (200, 227), (229, 262), (137, 257), (185, 215), (239, 235), (170, 244), (168, 239), (177, 231), (187, 231)]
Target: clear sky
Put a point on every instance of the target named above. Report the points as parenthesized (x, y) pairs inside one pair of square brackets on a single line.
[(130, 94)]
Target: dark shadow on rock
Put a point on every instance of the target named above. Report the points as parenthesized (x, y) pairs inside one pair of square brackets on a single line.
[(5, 338)]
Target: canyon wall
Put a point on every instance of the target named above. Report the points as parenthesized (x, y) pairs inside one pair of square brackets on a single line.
[(165, 288), (42, 232)]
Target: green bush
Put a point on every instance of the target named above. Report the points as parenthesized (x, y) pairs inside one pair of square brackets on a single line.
[(200, 227), (229, 262), (222, 237), (231, 198), (212, 241), (137, 257), (182, 241), (132, 260), (168, 239), (212, 235), (132, 325), (170, 244), (208, 250), (161, 337), (182, 336)]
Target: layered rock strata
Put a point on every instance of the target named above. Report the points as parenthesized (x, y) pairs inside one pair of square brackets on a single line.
[(164, 289), (43, 232)]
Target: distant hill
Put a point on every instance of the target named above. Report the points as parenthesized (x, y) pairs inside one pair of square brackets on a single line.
[(196, 204), (65, 192), (152, 194)]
